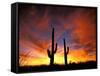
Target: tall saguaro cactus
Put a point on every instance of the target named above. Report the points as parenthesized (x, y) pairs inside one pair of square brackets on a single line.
[(65, 52), (53, 50)]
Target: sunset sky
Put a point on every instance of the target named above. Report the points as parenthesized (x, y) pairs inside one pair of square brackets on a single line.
[(76, 24)]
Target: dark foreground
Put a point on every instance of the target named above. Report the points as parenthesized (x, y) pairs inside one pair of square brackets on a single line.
[(57, 67)]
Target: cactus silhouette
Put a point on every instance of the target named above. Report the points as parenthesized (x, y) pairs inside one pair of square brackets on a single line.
[(53, 50), (65, 52)]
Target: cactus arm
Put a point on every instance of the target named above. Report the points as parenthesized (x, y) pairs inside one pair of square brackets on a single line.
[(55, 48), (48, 51)]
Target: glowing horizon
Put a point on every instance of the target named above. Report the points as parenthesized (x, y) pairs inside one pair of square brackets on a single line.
[(58, 59)]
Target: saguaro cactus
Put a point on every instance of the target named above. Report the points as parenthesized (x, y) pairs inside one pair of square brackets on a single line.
[(65, 52), (53, 50)]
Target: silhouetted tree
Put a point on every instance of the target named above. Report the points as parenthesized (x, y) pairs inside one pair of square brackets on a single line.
[(53, 50)]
